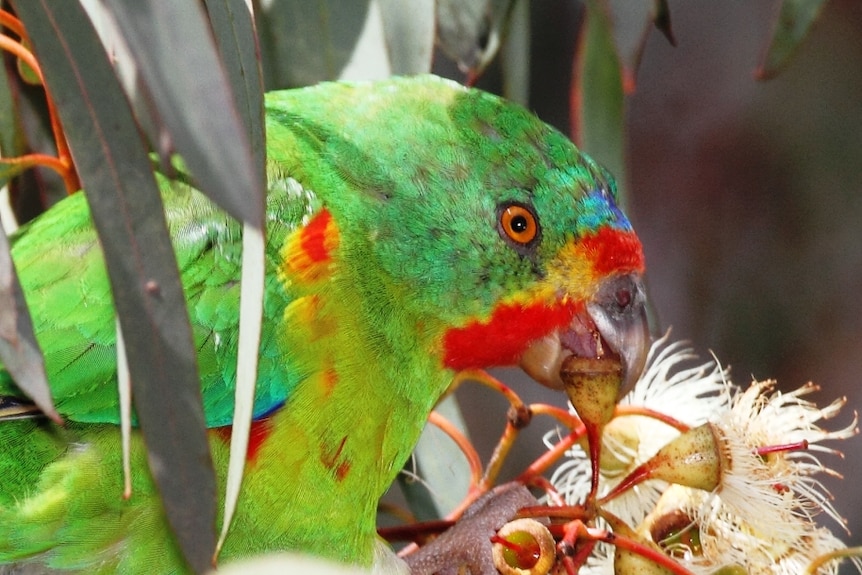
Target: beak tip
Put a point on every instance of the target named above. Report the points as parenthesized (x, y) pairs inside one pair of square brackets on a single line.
[(624, 328)]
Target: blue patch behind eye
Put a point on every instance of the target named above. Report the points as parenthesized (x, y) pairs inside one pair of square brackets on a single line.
[(600, 210)]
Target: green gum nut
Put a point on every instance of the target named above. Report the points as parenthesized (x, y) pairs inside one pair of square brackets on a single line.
[(593, 387), (630, 563), (694, 459)]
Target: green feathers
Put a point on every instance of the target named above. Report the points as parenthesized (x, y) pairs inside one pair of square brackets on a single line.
[(390, 263)]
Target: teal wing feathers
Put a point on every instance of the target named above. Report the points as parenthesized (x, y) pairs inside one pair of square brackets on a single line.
[(59, 261)]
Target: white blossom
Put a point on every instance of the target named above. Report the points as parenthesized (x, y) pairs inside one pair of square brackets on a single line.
[(761, 516), (689, 395)]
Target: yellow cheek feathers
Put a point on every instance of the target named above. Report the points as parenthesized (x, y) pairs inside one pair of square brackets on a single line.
[(581, 265)]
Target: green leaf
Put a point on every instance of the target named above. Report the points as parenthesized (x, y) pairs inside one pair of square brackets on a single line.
[(792, 26), (127, 211), (631, 21), (177, 58), (599, 114), (19, 350)]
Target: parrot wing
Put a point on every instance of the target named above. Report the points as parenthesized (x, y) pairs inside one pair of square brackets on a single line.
[(69, 297)]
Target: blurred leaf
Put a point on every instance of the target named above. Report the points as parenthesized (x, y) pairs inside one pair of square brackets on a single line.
[(515, 57), (470, 31), (19, 350), (8, 119), (8, 171), (304, 42), (127, 212), (661, 19), (9, 127), (792, 26), (369, 59), (599, 109), (176, 55), (443, 472), (26, 72), (408, 28), (631, 23)]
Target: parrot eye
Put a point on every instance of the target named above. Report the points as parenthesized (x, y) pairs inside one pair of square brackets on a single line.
[(518, 224)]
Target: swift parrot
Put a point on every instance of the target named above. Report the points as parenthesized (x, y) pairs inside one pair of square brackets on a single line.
[(415, 228)]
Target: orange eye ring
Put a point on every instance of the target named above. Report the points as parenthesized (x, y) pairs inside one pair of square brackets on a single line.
[(519, 224)]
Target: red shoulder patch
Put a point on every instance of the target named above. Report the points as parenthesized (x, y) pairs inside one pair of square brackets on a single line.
[(308, 251)]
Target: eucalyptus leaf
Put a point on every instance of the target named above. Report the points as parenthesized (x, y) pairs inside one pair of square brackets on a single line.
[(515, 55), (599, 119), (442, 475), (251, 316), (233, 28), (791, 27), (177, 58), (408, 28), (7, 118), (662, 21), (8, 170), (234, 33), (19, 350), (127, 211), (369, 59), (630, 22)]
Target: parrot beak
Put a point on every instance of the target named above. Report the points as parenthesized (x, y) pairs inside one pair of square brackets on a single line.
[(612, 326)]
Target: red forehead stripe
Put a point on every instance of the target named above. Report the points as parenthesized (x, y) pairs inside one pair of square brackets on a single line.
[(502, 339), (613, 251)]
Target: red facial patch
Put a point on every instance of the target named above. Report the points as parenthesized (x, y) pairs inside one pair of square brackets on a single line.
[(613, 251), (502, 339), (258, 433)]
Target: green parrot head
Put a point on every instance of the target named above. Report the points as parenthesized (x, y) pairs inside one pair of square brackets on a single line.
[(479, 224)]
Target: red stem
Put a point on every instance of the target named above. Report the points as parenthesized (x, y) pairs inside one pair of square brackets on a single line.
[(647, 412)]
